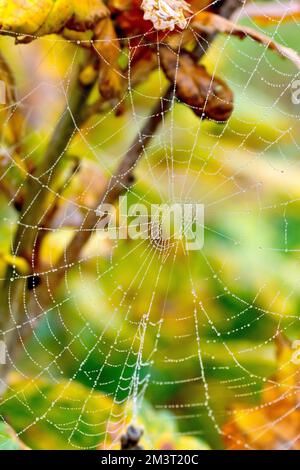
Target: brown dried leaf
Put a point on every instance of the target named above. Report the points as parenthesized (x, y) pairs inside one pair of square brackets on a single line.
[(207, 96), (41, 17)]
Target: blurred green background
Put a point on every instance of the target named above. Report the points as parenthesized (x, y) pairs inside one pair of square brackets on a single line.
[(171, 338)]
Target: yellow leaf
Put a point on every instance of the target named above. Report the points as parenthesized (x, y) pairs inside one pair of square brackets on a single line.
[(20, 264)]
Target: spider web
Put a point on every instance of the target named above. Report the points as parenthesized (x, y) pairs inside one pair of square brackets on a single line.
[(136, 322)]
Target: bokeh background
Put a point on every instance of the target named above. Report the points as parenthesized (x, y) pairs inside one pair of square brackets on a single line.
[(176, 340)]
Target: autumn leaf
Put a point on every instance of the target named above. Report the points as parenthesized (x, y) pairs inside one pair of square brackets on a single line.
[(12, 127), (209, 23), (271, 13), (120, 5), (207, 96), (275, 423), (9, 439)]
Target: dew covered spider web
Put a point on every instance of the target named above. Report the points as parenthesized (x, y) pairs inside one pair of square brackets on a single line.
[(149, 333)]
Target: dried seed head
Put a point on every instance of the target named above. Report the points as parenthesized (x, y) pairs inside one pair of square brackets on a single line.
[(166, 14)]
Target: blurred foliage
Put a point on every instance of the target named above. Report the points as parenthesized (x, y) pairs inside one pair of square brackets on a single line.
[(78, 367)]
